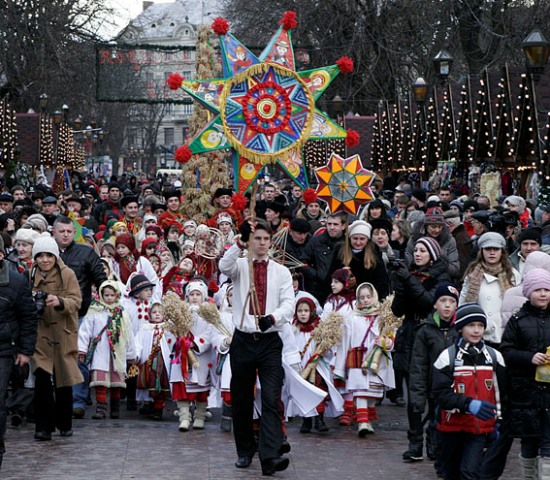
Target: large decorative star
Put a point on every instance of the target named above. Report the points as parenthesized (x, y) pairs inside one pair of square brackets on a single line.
[(263, 109), (344, 183)]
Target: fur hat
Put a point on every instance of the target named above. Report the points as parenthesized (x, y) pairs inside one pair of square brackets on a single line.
[(515, 200), (45, 243), (432, 246), (26, 235), (468, 313), (360, 227), (445, 289), (381, 223), (535, 279), (300, 225)]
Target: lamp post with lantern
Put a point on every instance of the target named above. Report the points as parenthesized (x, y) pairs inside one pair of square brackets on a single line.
[(419, 90)]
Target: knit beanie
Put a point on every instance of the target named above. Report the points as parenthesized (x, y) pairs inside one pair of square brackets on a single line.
[(37, 222), (530, 234), (154, 228), (419, 194), (445, 289), (344, 276), (197, 285), (45, 243), (26, 235), (432, 246), (360, 227), (300, 225), (535, 279), (468, 313), (381, 223), (434, 216), (536, 259)]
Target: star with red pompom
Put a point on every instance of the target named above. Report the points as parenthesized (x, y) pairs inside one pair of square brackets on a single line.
[(174, 81), (345, 64), (183, 154), (352, 138)]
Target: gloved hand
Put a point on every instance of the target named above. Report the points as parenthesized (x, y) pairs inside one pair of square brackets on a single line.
[(245, 229), (402, 272), (265, 322), (482, 409), (297, 368)]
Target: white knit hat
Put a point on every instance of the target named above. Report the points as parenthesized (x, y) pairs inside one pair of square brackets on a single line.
[(197, 285), (27, 235), (360, 227), (45, 243)]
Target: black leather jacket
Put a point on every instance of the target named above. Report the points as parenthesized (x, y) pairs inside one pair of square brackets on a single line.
[(18, 318), (88, 268)]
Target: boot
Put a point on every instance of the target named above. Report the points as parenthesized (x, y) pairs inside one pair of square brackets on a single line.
[(544, 468), (184, 415), (306, 425), (414, 453), (225, 425), (100, 411), (200, 415), (115, 408), (528, 468), (320, 424), (346, 417), (147, 410)]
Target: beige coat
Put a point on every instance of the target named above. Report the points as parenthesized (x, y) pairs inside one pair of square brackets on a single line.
[(57, 343)]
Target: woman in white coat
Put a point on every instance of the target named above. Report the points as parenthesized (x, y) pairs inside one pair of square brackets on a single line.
[(486, 280)]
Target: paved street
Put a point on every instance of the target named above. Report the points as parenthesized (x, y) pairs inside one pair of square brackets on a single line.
[(134, 448)]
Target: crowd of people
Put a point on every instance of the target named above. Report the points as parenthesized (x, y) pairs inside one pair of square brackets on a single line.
[(437, 301)]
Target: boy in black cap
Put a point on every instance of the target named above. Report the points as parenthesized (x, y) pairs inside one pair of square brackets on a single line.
[(434, 335), (467, 384)]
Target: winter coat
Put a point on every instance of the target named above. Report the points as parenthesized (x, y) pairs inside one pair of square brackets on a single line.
[(526, 333), (57, 344), (464, 248), (414, 300), (18, 322), (318, 256), (490, 299), (429, 342), (295, 250), (447, 243), (85, 263)]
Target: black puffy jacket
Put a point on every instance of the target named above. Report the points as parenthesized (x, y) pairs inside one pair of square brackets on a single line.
[(83, 261), (526, 333), (18, 317), (430, 340), (414, 299)]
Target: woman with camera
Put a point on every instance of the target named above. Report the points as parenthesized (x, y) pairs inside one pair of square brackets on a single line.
[(414, 293), (58, 298)]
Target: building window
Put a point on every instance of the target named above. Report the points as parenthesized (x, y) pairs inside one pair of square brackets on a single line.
[(168, 136)]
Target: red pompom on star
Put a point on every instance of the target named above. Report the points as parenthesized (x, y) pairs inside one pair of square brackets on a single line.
[(239, 202), (352, 138), (220, 26), (183, 154), (174, 81), (309, 196), (288, 20), (345, 64)]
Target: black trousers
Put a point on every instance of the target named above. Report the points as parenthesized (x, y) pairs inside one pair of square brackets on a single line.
[(261, 354), (53, 406)]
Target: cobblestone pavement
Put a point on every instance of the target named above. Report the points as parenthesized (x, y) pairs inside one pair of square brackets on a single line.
[(135, 448)]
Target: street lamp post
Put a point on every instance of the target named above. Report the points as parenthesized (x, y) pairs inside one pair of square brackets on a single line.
[(420, 94)]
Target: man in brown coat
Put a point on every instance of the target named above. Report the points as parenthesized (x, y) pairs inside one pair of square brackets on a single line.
[(462, 239)]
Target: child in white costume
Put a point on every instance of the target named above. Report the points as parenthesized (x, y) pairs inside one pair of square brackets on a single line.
[(191, 384), (106, 344), (361, 335), (342, 300), (303, 325), (154, 344), (221, 343)]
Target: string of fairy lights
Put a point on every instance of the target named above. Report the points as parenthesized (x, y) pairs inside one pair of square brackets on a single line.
[(8, 134), (486, 128)]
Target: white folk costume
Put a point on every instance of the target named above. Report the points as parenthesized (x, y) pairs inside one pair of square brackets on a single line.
[(154, 343), (191, 383), (305, 341), (361, 335), (106, 340)]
